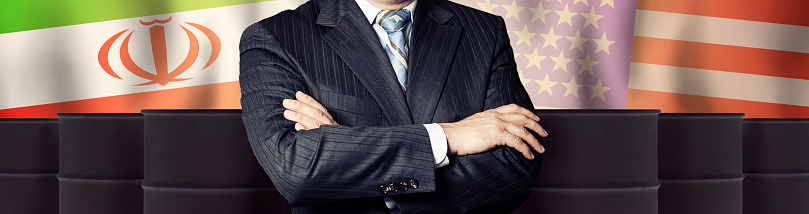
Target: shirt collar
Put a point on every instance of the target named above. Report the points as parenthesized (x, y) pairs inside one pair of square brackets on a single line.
[(371, 11)]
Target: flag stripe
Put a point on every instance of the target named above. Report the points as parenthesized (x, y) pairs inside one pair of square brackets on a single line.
[(684, 103), (720, 84), (782, 11), (720, 57), (721, 31), (38, 14), (217, 96)]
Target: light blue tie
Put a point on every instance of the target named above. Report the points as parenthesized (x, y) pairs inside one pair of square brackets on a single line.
[(394, 22)]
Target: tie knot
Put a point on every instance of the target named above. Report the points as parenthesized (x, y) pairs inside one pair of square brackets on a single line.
[(393, 20)]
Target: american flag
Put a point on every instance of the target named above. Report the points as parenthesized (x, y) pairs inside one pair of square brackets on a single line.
[(569, 53), (681, 56), (743, 56)]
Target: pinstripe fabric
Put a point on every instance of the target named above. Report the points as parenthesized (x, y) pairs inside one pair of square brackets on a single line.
[(460, 64)]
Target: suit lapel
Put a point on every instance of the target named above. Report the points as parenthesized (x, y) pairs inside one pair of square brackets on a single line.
[(434, 46), (355, 41)]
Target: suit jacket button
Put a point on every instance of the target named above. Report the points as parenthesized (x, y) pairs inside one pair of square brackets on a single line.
[(393, 188), (384, 189), (414, 184), (404, 186)]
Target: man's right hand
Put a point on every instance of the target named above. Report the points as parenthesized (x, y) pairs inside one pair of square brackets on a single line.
[(503, 126)]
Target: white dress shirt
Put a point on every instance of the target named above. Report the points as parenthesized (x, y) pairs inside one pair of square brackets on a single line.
[(438, 138)]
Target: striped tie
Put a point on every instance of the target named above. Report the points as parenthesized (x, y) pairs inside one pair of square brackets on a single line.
[(395, 22)]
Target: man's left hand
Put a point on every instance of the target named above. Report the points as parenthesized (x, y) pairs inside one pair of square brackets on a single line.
[(306, 112)]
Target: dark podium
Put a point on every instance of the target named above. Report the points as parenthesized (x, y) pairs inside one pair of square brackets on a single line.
[(700, 168), (597, 161), (200, 162), (29, 161), (776, 166), (100, 163)]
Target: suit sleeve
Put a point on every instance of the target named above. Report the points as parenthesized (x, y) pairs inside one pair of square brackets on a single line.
[(331, 163), (495, 181)]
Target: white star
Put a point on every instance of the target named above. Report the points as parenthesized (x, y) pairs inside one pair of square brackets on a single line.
[(560, 62), (513, 10), (609, 2), (572, 87), (546, 85), (577, 41), (587, 64), (524, 36), (583, 1), (539, 12), (598, 90), (591, 18), (603, 44), (565, 16), (487, 6), (534, 59), (550, 39)]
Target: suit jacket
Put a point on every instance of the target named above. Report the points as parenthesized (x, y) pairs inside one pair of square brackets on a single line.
[(460, 64)]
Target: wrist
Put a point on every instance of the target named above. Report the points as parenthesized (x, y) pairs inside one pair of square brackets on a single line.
[(447, 127)]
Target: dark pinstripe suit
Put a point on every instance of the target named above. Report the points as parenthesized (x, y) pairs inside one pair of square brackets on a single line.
[(461, 63)]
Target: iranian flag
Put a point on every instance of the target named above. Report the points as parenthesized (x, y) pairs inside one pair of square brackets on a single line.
[(105, 56)]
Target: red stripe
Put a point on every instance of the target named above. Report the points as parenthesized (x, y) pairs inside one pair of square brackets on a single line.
[(791, 12), (213, 96), (720, 57), (683, 103)]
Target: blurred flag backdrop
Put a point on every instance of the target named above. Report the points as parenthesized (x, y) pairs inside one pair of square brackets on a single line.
[(679, 56)]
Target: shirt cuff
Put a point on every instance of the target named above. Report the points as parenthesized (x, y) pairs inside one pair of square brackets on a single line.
[(438, 139), (390, 203)]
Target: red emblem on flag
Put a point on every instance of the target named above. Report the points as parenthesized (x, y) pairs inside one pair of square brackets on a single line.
[(162, 75)]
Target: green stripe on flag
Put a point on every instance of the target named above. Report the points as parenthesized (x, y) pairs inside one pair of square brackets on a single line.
[(23, 15)]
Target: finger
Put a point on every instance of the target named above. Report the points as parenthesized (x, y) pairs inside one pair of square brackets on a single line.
[(525, 136), (307, 110), (299, 126), (305, 98), (304, 120), (514, 108), (506, 108), (524, 121), (515, 142)]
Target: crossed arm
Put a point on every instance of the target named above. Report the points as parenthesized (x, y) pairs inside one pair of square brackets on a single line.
[(506, 125)]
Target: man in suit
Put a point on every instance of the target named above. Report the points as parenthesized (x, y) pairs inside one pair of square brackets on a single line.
[(432, 115)]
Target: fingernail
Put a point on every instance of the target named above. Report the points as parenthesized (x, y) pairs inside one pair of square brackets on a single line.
[(287, 102), (546, 132), (532, 156), (288, 114)]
